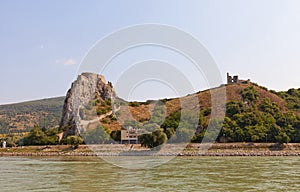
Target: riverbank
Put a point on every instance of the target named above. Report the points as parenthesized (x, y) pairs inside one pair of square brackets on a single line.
[(217, 149)]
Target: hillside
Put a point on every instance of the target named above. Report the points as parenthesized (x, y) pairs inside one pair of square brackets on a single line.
[(253, 114), (141, 111), (21, 117)]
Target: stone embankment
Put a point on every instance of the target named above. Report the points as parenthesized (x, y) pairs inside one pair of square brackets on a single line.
[(224, 149)]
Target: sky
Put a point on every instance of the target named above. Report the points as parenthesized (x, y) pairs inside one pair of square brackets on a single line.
[(42, 43)]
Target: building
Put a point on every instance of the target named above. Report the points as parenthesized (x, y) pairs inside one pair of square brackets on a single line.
[(235, 79), (232, 79), (130, 135)]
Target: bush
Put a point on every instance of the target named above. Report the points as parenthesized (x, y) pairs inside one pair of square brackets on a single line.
[(36, 137), (249, 94), (155, 139), (283, 138), (75, 141), (116, 135), (233, 107), (12, 140), (96, 136), (134, 104)]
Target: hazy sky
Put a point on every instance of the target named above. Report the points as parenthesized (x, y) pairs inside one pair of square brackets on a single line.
[(43, 42)]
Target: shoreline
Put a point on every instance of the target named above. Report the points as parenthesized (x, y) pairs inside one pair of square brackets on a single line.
[(216, 149)]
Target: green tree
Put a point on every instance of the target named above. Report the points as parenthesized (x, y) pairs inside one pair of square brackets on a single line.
[(197, 138), (116, 135), (73, 140), (283, 138), (52, 138), (158, 115), (36, 137), (233, 107), (172, 121), (154, 139), (96, 136), (229, 130), (170, 132), (250, 94), (184, 134), (268, 107), (151, 127)]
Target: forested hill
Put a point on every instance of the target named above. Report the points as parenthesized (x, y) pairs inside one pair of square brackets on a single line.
[(21, 117), (253, 114)]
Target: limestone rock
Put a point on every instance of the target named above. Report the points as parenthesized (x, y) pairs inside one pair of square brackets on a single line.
[(86, 88)]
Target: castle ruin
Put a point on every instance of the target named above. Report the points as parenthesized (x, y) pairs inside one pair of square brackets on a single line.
[(235, 79), (232, 79)]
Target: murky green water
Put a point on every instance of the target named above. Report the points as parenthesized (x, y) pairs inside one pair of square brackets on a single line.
[(180, 174)]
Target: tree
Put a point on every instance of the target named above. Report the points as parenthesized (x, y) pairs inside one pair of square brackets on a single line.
[(228, 130), (132, 123), (170, 132), (172, 121), (184, 134), (157, 115), (197, 138), (151, 127), (249, 94), (116, 135), (213, 130), (269, 107), (283, 138), (233, 107), (73, 140), (154, 139), (96, 136), (52, 138), (36, 137)]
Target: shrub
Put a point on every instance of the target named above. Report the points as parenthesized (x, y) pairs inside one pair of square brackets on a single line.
[(249, 94), (134, 104), (36, 137), (75, 141), (116, 135), (96, 136), (154, 139)]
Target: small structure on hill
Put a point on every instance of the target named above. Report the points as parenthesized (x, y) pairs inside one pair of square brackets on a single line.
[(235, 79), (232, 79)]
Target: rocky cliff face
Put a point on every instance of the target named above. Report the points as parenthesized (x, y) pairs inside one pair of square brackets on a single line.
[(87, 88)]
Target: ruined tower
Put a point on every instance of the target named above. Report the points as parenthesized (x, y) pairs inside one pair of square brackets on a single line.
[(232, 79)]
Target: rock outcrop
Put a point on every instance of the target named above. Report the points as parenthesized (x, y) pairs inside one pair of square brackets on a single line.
[(88, 87)]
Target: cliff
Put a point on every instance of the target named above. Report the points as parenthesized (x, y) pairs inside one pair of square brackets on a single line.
[(84, 92)]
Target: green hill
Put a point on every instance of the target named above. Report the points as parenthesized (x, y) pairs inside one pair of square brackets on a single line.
[(253, 114), (21, 117)]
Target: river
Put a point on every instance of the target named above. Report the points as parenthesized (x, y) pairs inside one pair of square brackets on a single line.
[(179, 174)]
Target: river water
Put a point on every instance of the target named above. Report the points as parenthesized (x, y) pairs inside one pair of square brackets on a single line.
[(179, 174)]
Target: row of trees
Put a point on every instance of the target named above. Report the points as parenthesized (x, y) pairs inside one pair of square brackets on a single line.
[(40, 136)]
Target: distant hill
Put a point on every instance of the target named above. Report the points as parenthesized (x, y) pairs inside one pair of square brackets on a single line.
[(21, 117)]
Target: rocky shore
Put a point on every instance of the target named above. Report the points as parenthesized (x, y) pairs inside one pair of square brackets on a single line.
[(217, 149)]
